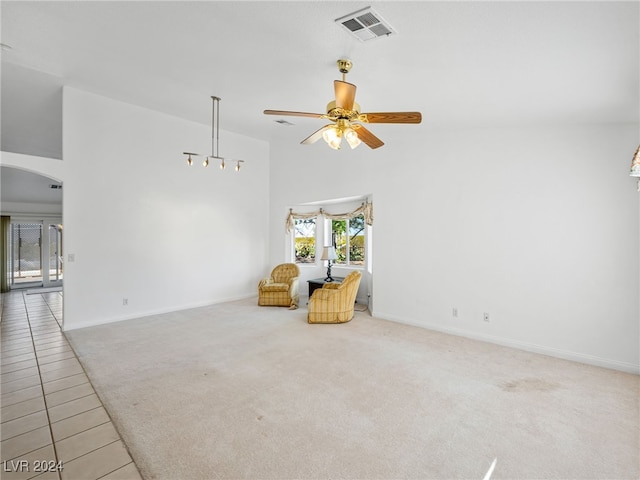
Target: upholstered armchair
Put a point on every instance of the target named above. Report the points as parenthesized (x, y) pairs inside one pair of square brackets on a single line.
[(333, 303), (281, 288)]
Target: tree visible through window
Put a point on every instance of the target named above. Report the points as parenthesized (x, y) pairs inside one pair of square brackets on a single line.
[(348, 237), (305, 240)]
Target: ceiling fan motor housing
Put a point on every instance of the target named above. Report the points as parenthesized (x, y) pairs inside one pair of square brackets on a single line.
[(334, 112), (344, 65)]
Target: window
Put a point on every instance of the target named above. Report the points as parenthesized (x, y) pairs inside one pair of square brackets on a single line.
[(348, 231), (348, 237), (305, 240)]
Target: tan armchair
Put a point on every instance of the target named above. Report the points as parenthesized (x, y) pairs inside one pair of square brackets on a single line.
[(333, 303), (281, 288)]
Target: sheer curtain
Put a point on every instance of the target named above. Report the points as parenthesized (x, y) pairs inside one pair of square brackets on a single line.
[(366, 210)]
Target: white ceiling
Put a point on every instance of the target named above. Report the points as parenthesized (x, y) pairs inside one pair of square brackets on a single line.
[(24, 187), (459, 63), (462, 64)]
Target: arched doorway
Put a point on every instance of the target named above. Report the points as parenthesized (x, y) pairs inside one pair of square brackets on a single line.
[(32, 231)]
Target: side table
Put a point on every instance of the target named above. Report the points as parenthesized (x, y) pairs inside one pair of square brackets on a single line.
[(319, 282)]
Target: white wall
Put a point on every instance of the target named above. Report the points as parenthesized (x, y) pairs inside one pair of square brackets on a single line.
[(31, 112), (539, 227), (144, 226)]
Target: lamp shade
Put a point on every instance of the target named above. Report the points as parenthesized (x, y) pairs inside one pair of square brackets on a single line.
[(328, 253), (635, 164)]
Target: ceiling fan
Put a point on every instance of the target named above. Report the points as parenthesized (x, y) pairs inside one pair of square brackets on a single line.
[(347, 118)]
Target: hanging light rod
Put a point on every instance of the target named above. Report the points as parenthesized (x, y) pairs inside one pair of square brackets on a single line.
[(215, 141)]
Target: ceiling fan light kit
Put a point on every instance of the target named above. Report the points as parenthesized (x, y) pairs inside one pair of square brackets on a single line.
[(215, 141), (347, 117)]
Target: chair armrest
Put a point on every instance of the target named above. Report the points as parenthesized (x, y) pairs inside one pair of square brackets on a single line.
[(331, 286), (265, 281), (293, 286), (323, 293)]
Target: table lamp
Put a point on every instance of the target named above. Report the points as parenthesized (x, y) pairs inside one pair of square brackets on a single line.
[(328, 254)]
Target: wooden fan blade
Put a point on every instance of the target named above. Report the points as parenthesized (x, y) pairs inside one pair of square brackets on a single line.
[(391, 117), (294, 114), (367, 137), (315, 136), (345, 94)]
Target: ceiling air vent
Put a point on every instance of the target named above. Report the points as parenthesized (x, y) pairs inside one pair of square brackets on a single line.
[(366, 24)]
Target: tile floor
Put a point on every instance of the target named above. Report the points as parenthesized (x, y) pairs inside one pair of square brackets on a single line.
[(53, 425)]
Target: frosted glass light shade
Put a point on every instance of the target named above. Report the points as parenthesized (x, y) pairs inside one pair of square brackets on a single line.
[(333, 137), (352, 137)]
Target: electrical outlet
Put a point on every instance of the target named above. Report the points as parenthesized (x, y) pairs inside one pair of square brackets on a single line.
[(455, 312), (125, 301), (486, 317)]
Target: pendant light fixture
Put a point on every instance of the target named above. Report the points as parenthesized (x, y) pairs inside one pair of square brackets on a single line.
[(215, 141)]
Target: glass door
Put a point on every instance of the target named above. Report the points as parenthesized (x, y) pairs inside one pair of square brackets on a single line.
[(26, 254), (36, 253), (54, 255)]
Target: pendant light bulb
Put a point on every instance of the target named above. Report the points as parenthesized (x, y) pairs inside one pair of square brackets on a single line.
[(222, 165), (189, 160), (237, 166), (205, 163)]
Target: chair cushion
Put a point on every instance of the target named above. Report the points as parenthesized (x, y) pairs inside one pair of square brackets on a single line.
[(275, 287)]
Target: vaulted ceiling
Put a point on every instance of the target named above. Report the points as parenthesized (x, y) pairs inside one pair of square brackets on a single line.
[(462, 64)]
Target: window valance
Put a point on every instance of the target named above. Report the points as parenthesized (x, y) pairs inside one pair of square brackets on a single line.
[(366, 210)]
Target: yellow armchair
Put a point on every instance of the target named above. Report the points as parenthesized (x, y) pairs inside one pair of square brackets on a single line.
[(333, 303), (281, 288)]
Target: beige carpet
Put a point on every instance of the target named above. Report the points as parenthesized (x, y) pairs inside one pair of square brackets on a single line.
[(239, 391)]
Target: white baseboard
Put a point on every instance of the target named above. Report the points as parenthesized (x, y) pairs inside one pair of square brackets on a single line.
[(506, 342), (148, 313), (528, 347)]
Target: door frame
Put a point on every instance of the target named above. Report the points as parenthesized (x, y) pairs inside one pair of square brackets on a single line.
[(46, 274), (44, 222)]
